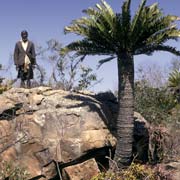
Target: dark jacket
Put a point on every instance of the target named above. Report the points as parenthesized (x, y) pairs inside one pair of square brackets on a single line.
[(19, 53)]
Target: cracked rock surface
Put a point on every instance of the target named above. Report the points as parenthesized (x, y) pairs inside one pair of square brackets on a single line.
[(41, 128)]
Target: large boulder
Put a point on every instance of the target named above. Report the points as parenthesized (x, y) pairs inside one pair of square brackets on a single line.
[(47, 130)]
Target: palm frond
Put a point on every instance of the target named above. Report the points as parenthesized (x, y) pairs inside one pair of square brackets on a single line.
[(126, 16), (143, 24), (148, 50), (154, 28), (97, 26), (91, 12), (86, 47), (107, 7), (137, 18), (102, 61), (165, 30), (106, 17), (126, 23), (113, 33), (174, 79)]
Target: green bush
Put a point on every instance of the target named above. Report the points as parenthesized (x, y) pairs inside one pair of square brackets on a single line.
[(153, 103), (161, 108)]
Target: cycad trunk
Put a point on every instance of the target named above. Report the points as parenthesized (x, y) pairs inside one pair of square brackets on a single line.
[(125, 120)]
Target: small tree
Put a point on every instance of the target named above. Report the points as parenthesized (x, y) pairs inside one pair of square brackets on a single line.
[(153, 75), (68, 72)]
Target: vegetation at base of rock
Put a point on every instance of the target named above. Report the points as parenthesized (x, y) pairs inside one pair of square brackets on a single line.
[(136, 172), (12, 172), (133, 172), (107, 175)]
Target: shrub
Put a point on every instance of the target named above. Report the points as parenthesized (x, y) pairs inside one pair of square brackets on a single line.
[(158, 138), (107, 175), (6, 86), (153, 103), (133, 172), (137, 172)]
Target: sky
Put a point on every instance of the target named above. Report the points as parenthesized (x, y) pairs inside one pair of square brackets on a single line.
[(46, 19)]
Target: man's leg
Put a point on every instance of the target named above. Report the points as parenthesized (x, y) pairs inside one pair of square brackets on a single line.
[(22, 84), (21, 76), (29, 76), (28, 83)]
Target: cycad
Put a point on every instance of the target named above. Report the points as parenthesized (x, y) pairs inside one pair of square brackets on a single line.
[(121, 36)]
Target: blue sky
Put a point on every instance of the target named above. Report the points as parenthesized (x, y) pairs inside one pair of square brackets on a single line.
[(45, 19)]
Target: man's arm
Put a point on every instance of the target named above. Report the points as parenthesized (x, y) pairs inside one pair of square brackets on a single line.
[(16, 54)]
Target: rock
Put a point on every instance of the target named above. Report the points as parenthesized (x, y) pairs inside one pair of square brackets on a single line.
[(141, 125), (141, 138), (41, 128), (110, 107), (84, 171)]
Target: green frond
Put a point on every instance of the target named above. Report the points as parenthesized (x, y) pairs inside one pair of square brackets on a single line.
[(105, 32), (152, 28), (77, 29), (91, 12), (126, 16), (108, 8), (106, 15), (102, 61), (86, 47), (126, 6), (83, 21), (174, 79), (136, 19), (98, 26), (80, 26), (148, 50), (144, 23), (64, 51), (99, 7), (163, 35), (174, 33)]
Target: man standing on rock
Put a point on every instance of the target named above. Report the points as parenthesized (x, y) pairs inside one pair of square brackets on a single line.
[(25, 59)]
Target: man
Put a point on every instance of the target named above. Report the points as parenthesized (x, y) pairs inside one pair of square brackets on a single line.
[(25, 59)]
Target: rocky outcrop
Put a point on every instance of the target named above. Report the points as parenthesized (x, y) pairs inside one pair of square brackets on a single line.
[(47, 130), (141, 138)]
